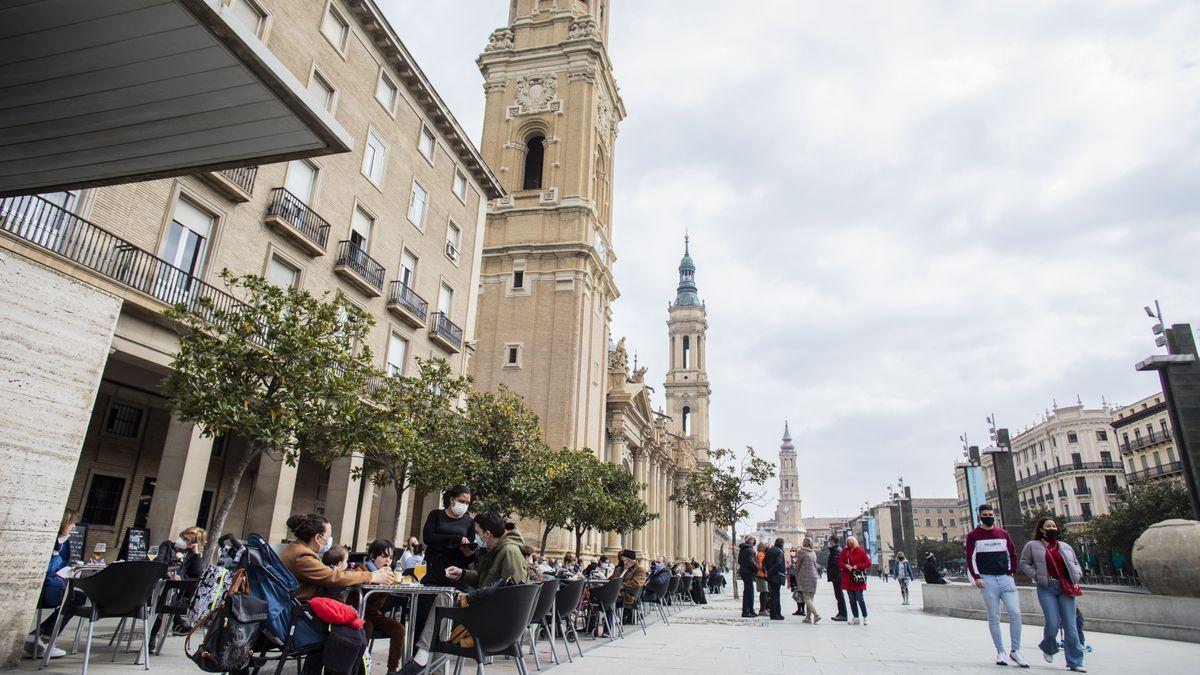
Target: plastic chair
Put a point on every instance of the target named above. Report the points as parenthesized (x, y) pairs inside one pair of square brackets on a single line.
[(175, 599), (606, 596), (301, 612), (541, 610), (120, 590), (672, 592), (496, 624), (658, 594), (566, 613)]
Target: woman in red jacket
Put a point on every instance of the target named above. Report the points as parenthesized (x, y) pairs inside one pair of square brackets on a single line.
[(852, 559)]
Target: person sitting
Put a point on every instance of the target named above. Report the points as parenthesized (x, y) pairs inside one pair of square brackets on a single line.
[(501, 559), (633, 578), (380, 554), (930, 569), (531, 567), (53, 589), (412, 556), (184, 556), (659, 574), (337, 558)]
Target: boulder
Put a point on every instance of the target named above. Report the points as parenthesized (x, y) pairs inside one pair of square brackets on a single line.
[(1166, 556)]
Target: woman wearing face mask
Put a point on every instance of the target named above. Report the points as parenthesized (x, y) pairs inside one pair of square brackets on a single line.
[(499, 557), (449, 536), (1053, 566), (302, 557), (184, 556)]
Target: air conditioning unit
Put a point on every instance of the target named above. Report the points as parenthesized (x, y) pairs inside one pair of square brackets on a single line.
[(451, 251)]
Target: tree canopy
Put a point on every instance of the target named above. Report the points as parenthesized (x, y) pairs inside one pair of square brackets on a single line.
[(1132, 511)]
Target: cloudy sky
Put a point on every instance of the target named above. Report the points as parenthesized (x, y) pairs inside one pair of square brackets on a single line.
[(905, 216)]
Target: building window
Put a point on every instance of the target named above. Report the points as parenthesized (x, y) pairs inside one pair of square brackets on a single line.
[(687, 351), (445, 299), (941, 523), (426, 143), (1110, 484), (397, 354), (282, 274), (1170, 455), (1086, 509), (928, 522), (535, 152), (1106, 458), (301, 179), (250, 15), (951, 522), (385, 92), (416, 205), (219, 444), (206, 499), (519, 279), (408, 269), (1157, 459), (512, 355), (335, 28), (360, 229), (1165, 431), (1072, 437), (123, 420), (460, 185), (1101, 435), (453, 241), (373, 158), (687, 421), (103, 500), (184, 247), (322, 91), (1076, 460)]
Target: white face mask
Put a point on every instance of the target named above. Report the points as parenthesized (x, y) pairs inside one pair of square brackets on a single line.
[(181, 543), (459, 509)]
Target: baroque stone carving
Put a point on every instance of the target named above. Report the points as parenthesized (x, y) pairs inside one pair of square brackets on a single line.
[(606, 121), (500, 39), (535, 94), (618, 358), (582, 28)]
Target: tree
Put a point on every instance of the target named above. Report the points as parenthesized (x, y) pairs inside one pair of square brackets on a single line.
[(503, 435), (942, 550), (609, 502), (1132, 511), (721, 491), (283, 369), (414, 431), (559, 485)]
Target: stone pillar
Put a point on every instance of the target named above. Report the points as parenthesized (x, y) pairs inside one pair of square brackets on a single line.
[(639, 472), (55, 333), (271, 503), (612, 540), (341, 502), (391, 527), (180, 481)]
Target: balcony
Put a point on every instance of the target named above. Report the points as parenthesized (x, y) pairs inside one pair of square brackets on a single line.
[(444, 332), (237, 185), (292, 218), (1160, 436), (1111, 489), (1083, 491), (48, 226), (406, 304), (1068, 468), (1157, 472), (360, 269)]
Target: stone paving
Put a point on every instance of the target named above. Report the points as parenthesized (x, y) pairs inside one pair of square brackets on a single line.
[(714, 639)]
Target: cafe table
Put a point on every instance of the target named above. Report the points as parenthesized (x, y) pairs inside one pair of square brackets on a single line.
[(412, 591)]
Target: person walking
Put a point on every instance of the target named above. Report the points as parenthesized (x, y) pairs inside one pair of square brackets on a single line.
[(747, 569), (1055, 569), (775, 570), (854, 563), (833, 571), (806, 579), (991, 562), (904, 575)]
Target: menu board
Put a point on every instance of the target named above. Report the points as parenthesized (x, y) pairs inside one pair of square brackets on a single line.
[(135, 544), (78, 538)]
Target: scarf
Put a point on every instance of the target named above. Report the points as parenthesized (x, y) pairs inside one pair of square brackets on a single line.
[(1058, 568)]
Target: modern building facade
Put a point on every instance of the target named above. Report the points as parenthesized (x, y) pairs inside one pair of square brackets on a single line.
[(788, 522), (1144, 436)]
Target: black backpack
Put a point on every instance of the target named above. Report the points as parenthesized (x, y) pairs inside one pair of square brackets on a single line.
[(232, 630)]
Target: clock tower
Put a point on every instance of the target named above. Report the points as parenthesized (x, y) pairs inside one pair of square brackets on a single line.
[(788, 522)]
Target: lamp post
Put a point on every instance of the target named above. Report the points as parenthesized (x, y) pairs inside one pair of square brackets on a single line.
[(1007, 500)]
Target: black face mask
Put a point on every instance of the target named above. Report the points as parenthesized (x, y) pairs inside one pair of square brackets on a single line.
[(988, 520), (1050, 535)]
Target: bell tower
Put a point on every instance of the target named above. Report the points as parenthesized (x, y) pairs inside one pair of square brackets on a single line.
[(686, 387), (546, 284)]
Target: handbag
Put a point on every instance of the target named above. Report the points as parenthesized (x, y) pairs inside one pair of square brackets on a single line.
[(858, 576)]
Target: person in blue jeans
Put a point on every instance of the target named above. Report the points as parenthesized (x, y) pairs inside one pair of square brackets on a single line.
[(991, 562), (1053, 566)]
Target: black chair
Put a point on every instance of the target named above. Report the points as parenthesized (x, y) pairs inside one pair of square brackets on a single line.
[(497, 624), (656, 595), (120, 590), (301, 612), (175, 599), (606, 597), (672, 592), (566, 614), (540, 620)]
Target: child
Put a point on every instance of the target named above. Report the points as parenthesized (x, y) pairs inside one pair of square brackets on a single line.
[(337, 558)]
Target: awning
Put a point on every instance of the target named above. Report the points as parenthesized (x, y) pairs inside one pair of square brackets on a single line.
[(101, 92)]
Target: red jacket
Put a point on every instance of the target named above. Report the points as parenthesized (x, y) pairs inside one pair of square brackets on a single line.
[(857, 558)]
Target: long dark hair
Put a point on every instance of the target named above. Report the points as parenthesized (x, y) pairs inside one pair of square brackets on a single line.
[(454, 493), (1037, 529)]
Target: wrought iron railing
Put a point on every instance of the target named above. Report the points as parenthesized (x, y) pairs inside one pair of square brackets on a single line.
[(350, 256), (408, 299), (1156, 471), (1067, 468), (443, 326), (1083, 490), (296, 213), (242, 177), (1140, 442), (53, 228)]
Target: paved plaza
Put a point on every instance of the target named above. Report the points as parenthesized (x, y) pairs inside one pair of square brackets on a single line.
[(713, 639)]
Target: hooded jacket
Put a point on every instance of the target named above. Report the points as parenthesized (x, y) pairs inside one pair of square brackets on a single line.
[(499, 563), (747, 560)]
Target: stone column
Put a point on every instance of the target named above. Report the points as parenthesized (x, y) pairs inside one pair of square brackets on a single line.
[(180, 481), (639, 472), (612, 540), (341, 502), (55, 333), (271, 502)]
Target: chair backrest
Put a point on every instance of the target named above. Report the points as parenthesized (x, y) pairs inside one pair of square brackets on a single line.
[(659, 588), (545, 599), (607, 594), (673, 586), (500, 620), (121, 588), (567, 598), (176, 596)]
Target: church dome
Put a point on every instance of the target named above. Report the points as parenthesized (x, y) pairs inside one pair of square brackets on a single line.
[(686, 295)]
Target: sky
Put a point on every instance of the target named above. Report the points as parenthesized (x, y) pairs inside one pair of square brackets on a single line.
[(905, 216)]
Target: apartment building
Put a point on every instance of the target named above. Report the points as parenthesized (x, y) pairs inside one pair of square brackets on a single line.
[(1143, 431), (938, 518)]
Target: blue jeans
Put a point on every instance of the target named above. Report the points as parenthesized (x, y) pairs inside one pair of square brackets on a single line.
[(997, 589), (1059, 610), (857, 602)]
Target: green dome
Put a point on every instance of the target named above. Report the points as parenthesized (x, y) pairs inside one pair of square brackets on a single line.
[(686, 294)]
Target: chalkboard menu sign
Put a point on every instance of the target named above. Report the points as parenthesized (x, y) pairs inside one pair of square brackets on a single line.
[(135, 544), (78, 539)]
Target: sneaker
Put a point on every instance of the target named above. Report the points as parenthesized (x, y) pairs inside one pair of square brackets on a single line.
[(864, 621), (852, 622), (839, 617), (1001, 659), (1018, 658), (411, 667), (1049, 657), (43, 645), (1077, 669), (806, 620), (816, 619)]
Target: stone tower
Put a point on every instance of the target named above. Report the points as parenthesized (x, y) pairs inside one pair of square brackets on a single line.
[(787, 512), (546, 284), (686, 388)]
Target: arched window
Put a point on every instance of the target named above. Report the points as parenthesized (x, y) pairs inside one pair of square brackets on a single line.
[(687, 421), (687, 352), (535, 153)]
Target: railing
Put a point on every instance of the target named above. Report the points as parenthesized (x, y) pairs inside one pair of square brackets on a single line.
[(49, 226), (1067, 468), (1138, 443), (443, 326), (242, 177), (354, 258), (408, 299), (1156, 471), (1074, 519), (296, 213), (1083, 491), (1111, 489)]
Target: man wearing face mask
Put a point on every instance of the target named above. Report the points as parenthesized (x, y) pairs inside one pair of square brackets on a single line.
[(992, 561), (500, 556)]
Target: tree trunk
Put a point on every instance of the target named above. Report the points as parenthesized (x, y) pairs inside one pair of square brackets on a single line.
[(218, 523), (399, 535), (545, 536), (578, 541), (733, 538)]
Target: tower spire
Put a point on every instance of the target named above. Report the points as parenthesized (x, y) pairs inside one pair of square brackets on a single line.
[(687, 294)]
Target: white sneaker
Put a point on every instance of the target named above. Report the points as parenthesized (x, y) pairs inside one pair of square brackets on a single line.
[(1018, 658), (1001, 659), (55, 653), (864, 621), (1049, 657), (852, 622)]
